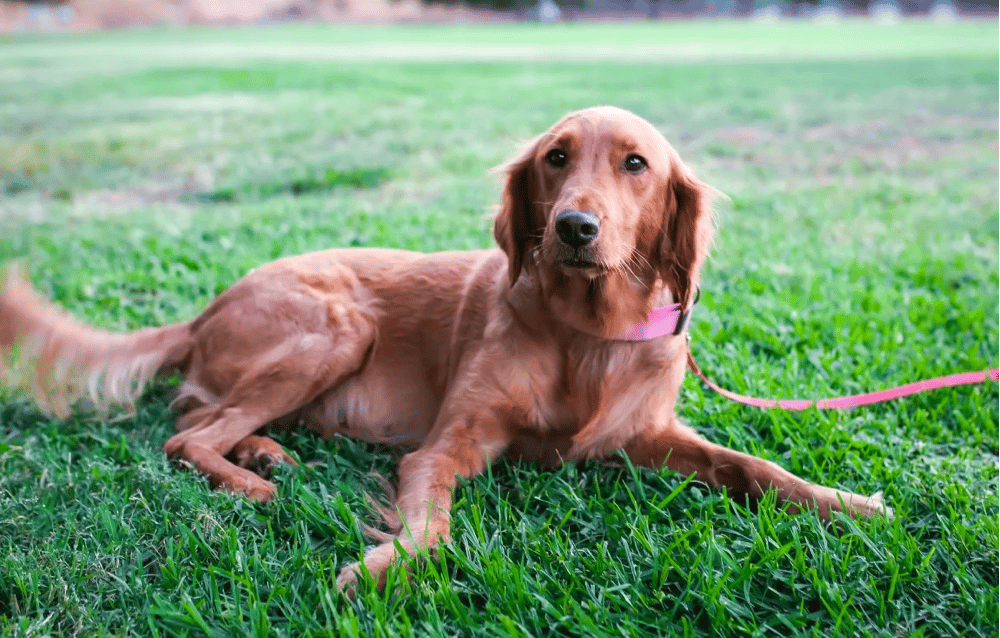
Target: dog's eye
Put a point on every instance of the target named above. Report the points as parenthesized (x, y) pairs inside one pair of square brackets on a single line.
[(556, 157), (634, 164)]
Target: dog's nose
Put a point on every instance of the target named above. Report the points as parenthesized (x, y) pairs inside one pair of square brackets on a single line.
[(577, 228)]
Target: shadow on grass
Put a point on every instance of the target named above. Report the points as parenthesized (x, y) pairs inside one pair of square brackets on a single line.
[(328, 180)]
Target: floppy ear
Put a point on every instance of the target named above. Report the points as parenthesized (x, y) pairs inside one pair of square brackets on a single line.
[(688, 229), (513, 227)]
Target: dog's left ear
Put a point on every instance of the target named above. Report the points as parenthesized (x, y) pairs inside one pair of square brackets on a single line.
[(688, 229), (513, 227)]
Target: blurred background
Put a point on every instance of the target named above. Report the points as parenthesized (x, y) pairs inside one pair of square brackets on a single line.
[(30, 15)]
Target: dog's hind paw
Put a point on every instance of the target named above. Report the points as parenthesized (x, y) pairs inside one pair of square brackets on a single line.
[(260, 455), (240, 481)]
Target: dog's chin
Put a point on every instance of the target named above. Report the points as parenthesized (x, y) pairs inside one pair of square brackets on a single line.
[(583, 268)]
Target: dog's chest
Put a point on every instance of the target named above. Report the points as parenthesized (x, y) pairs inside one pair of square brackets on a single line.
[(571, 386), (600, 398)]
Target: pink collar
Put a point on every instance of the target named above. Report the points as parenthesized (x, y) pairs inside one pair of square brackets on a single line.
[(667, 320)]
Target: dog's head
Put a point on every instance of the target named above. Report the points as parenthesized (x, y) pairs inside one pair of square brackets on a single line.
[(603, 195)]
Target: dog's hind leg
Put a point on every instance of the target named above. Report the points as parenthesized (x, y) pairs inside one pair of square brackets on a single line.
[(277, 383)]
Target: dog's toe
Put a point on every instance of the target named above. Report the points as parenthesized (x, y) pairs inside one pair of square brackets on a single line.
[(347, 580), (877, 505), (262, 465), (262, 492), (260, 455), (248, 484)]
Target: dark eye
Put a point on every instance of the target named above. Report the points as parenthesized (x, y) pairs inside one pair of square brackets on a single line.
[(556, 157), (634, 164)]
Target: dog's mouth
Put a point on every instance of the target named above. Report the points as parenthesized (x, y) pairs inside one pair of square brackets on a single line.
[(583, 264), (583, 260), (585, 267)]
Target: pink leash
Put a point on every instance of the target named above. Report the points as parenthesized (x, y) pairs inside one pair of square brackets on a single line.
[(671, 320), (962, 378)]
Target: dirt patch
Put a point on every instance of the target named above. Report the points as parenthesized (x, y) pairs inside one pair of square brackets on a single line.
[(744, 135), (109, 202), (880, 144), (123, 200), (874, 145), (837, 131)]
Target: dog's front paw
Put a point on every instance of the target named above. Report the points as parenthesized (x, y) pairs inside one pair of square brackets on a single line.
[(867, 506), (347, 580), (376, 565), (875, 506)]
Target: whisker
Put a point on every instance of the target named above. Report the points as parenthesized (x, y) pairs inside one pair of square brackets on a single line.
[(643, 262), (636, 264)]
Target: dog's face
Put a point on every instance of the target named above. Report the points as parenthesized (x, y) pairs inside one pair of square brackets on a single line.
[(602, 195)]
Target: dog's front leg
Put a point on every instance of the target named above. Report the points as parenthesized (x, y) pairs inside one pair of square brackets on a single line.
[(426, 482), (688, 453)]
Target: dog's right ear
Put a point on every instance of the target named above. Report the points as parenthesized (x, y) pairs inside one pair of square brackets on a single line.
[(513, 227)]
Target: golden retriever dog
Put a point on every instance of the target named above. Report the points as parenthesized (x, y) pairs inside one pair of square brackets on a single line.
[(464, 356)]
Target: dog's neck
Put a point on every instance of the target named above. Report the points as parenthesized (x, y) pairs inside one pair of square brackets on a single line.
[(664, 321), (612, 308)]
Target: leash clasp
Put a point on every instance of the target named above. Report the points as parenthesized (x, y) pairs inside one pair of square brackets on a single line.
[(685, 316)]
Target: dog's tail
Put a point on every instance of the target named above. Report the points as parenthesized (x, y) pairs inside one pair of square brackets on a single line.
[(60, 360)]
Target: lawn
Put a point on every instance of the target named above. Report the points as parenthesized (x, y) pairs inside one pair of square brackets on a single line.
[(145, 171)]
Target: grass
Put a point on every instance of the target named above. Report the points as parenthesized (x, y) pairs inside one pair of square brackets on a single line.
[(145, 171)]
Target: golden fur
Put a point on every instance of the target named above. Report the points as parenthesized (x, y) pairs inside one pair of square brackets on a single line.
[(464, 356)]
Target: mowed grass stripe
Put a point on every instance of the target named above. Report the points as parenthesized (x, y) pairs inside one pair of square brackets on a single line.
[(682, 41)]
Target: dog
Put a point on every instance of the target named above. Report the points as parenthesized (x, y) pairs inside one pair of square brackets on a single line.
[(528, 350)]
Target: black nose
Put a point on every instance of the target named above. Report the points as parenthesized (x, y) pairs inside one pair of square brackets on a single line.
[(577, 227)]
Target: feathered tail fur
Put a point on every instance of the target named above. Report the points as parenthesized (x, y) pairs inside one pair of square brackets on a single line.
[(60, 360)]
